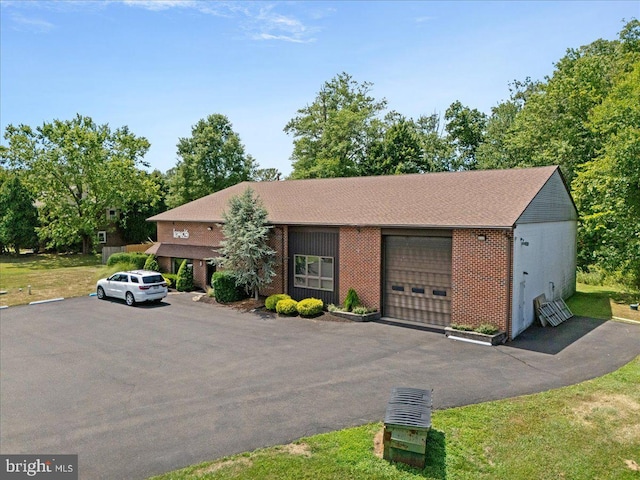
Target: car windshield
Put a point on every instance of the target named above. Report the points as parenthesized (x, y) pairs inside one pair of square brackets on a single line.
[(153, 279)]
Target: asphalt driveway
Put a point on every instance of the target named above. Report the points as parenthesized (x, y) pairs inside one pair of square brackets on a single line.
[(140, 391)]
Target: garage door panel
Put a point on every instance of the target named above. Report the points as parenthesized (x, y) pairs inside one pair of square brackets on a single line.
[(434, 279), (426, 304), (417, 284)]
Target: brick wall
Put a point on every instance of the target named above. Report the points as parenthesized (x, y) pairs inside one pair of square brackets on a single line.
[(481, 278), (278, 241), (360, 263), (198, 233)]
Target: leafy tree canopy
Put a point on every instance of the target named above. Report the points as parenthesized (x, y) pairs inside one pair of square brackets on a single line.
[(76, 170), (332, 134), (18, 215), (212, 159)]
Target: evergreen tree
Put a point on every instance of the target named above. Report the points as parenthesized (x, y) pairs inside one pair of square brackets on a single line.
[(18, 215), (184, 283), (245, 250)]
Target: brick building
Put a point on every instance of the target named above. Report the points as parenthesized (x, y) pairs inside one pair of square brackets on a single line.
[(434, 249)]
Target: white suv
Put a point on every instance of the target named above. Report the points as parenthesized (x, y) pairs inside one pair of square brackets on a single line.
[(132, 287)]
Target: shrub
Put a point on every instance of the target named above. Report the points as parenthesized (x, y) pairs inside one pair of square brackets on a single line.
[(310, 307), (224, 287), (487, 329), (362, 310), (184, 283), (138, 259), (107, 271), (333, 308), (464, 328), (170, 278), (352, 300), (272, 300), (288, 306), (152, 263)]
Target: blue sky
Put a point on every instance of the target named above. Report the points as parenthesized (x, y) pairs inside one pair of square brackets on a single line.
[(160, 66)]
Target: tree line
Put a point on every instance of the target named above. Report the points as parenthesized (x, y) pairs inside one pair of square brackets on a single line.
[(584, 117)]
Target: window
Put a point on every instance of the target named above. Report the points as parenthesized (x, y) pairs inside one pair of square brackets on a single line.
[(312, 271), (102, 237), (112, 214)]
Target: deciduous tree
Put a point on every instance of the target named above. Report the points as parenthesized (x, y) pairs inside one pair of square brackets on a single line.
[(212, 159), (332, 134), (465, 128), (77, 169)]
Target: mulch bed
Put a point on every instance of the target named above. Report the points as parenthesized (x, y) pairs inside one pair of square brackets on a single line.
[(257, 306)]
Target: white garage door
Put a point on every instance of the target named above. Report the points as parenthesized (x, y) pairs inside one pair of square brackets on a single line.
[(417, 279)]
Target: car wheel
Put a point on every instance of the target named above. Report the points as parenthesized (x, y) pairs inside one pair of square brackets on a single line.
[(129, 299), (100, 293)]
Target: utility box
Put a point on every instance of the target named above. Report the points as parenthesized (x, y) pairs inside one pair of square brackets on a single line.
[(406, 426)]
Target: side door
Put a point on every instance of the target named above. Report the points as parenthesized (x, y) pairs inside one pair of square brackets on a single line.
[(119, 285)]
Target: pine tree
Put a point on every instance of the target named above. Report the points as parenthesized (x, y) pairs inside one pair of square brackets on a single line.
[(245, 250)]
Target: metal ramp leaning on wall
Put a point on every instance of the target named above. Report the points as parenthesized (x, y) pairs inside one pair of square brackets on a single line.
[(552, 313)]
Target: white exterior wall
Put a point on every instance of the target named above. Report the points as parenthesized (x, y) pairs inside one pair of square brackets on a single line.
[(549, 261)]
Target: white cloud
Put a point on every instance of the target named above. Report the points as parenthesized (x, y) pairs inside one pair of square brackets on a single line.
[(260, 20), (31, 24), (267, 36), (267, 24)]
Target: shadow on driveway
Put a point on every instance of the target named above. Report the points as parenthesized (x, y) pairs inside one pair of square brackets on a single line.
[(552, 340)]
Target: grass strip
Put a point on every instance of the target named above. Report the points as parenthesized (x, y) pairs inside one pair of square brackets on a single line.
[(589, 430)]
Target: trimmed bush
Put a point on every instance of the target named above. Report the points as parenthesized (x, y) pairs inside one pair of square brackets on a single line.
[(352, 300), (487, 329), (138, 259), (272, 300), (310, 307), (185, 278), (287, 306), (224, 287), (461, 327), (333, 308), (361, 310), (170, 278), (152, 263)]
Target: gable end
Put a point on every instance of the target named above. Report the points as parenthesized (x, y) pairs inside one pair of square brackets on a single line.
[(553, 203)]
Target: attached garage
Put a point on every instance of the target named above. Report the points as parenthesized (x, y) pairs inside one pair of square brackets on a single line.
[(417, 279)]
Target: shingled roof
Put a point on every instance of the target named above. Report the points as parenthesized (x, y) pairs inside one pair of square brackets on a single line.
[(481, 198)]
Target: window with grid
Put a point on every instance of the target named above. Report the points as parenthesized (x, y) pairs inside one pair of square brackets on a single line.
[(312, 271)]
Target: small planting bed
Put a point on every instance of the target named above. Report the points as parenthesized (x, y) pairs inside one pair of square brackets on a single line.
[(457, 333), (357, 317)]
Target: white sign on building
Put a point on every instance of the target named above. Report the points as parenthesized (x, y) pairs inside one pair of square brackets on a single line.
[(180, 233)]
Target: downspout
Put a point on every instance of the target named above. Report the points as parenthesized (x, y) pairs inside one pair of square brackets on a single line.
[(509, 313)]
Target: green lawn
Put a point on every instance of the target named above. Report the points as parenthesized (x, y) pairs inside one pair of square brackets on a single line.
[(603, 302), (585, 431), (50, 276)]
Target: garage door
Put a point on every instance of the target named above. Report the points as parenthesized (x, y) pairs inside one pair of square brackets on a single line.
[(417, 279)]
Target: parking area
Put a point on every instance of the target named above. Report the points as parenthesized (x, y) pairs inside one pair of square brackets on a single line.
[(140, 391)]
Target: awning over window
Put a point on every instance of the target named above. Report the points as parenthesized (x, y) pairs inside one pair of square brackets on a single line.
[(194, 252)]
